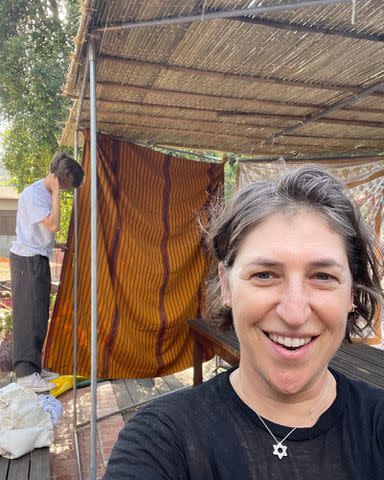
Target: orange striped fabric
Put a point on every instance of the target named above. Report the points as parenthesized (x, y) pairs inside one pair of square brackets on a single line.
[(151, 265)]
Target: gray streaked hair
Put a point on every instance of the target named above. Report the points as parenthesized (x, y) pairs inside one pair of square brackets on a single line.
[(306, 187)]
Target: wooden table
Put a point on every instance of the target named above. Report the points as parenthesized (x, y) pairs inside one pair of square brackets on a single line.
[(223, 344), (356, 361)]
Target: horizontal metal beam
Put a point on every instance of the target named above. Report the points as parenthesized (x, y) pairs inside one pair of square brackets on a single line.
[(336, 106), (216, 15), (278, 150), (352, 159), (321, 119)]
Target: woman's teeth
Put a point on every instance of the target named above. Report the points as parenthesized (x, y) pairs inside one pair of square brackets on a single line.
[(289, 342)]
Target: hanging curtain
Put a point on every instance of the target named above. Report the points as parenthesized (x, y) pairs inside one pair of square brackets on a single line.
[(151, 263)]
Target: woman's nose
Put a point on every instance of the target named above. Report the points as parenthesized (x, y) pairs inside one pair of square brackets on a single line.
[(293, 306)]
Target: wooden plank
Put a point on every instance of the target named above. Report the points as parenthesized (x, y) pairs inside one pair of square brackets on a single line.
[(361, 356), (135, 390), (5, 378), (19, 468), (173, 382), (121, 393), (161, 385), (40, 464), (123, 398), (148, 386), (362, 361), (370, 376), (131, 391), (137, 394), (4, 465), (347, 372)]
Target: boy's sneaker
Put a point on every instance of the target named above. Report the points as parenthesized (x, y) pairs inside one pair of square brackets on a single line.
[(35, 383), (48, 375)]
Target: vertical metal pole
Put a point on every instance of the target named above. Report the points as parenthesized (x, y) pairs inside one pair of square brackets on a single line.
[(92, 96), (75, 271)]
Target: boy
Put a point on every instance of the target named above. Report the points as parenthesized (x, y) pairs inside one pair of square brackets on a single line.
[(37, 221)]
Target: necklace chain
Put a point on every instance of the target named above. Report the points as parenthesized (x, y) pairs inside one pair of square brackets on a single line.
[(279, 449)]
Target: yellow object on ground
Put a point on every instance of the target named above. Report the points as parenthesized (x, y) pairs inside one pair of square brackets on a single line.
[(64, 383)]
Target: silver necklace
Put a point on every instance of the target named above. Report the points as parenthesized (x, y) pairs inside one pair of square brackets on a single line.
[(279, 449)]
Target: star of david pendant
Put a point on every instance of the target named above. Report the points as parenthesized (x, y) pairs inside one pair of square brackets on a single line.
[(280, 450)]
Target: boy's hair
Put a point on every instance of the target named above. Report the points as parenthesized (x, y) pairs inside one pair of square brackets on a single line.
[(67, 170)]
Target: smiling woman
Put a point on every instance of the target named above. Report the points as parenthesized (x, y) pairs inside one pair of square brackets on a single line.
[(296, 271)]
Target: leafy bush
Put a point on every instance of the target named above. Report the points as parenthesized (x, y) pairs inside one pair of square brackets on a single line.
[(5, 321)]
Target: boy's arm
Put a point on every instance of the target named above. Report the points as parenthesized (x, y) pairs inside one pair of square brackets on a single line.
[(52, 221), (61, 246)]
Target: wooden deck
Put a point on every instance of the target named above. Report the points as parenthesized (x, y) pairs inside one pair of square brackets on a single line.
[(132, 391), (360, 362)]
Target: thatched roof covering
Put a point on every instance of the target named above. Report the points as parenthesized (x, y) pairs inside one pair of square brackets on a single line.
[(299, 81)]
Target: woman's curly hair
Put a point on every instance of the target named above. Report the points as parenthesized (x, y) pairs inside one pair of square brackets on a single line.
[(309, 187)]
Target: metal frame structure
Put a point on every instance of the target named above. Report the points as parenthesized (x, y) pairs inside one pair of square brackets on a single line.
[(90, 71)]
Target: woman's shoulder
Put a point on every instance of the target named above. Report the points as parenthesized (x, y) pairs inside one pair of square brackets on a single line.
[(359, 395), (359, 387)]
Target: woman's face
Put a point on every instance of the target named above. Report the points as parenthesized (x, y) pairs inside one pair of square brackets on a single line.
[(290, 290)]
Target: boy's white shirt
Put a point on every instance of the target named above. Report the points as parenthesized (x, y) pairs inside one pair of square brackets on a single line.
[(33, 238)]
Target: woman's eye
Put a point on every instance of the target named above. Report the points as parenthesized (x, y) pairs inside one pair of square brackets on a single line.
[(263, 275), (324, 276)]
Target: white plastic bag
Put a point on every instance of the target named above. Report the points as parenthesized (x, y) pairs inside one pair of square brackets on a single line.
[(24, 424)]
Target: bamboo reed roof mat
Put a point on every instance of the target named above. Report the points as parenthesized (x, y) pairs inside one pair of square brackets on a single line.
[(288, 81)]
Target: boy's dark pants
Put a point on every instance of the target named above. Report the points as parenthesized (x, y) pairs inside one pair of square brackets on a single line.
[(31, 287)]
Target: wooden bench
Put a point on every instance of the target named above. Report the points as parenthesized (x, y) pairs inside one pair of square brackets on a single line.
[(31, 466), (356, 361), (34, 465)]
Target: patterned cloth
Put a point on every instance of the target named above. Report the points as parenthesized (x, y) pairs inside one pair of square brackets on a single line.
[(151, 265)]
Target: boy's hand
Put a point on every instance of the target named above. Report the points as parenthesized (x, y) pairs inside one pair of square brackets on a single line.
[(61, 246), (53, 182)]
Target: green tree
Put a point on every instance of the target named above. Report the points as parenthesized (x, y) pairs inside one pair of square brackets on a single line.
[(230, 171), (35, 42)]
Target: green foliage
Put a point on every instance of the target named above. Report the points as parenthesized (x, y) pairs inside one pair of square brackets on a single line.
[(66, 202), (5, 321), (35, 43), (230, 173)]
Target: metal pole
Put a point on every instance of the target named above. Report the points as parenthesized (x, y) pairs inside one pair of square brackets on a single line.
[(336, 106), (82, 95), (92, 94), (75, 277), (216, 15), (75, 271)]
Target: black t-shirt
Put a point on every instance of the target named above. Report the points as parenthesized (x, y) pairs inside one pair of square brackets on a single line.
[(208, 433)]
